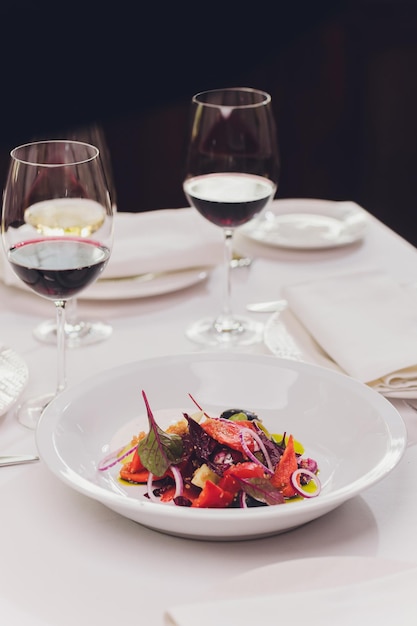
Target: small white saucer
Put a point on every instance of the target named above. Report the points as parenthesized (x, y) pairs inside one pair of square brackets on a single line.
[(308, 224)]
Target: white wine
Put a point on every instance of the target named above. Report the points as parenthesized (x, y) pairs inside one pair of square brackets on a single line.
[(78, 217)]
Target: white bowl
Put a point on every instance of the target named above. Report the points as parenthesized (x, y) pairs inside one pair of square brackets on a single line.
[(355, 434)]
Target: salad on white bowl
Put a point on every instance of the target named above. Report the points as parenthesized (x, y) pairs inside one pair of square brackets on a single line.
[(161, 418)]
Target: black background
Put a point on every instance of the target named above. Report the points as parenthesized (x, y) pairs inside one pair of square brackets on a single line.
[(343, 77)]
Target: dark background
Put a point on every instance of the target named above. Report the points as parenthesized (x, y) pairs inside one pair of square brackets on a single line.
[(342, 75)]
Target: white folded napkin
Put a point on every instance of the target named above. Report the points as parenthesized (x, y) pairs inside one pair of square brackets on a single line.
[(367, 323), (154, 241), (166, 239), (384, 601)]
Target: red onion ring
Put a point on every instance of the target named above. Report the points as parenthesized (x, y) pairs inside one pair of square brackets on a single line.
[(258, 440), (114, 458), (250, 454), (242, 500), (299, 489), (149, 485), (179, 483)]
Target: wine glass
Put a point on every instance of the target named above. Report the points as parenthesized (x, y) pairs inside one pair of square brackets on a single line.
[(79, 330), (53, 175), (232, 171)]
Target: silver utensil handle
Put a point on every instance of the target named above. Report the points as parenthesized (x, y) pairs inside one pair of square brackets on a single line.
[(17, 459)]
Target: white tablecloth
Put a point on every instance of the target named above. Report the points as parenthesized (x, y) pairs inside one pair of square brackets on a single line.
[(66, 559)]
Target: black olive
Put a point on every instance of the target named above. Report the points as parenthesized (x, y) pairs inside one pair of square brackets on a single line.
[(230, 413)]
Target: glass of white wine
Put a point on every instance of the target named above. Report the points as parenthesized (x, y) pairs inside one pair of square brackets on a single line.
[(78, 221)]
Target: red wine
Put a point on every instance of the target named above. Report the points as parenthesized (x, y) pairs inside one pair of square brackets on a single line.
[(229, 200), (59, 267)]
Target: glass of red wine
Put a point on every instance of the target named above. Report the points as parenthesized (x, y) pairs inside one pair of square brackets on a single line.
[(79, 330), (49, 177), (232, 171)]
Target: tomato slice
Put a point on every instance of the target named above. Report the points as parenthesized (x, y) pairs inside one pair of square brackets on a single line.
[(135, 472), (136, 463), (286, 466), (140, 476), (213, 497), (248, 469), (168, 494), (228, 432)]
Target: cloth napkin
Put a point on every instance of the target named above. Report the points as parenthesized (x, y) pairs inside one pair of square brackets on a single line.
[(384, 601), (166, 239), (154, 241), (367, 323)]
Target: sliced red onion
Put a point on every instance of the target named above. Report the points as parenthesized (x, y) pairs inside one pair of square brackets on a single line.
[(179, 483), (149, 485), (250, 454), (242, 500), (113, 458), (261, 446), (263, 449), (299, 489)]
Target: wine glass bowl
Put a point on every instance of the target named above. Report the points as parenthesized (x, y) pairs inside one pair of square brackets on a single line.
[(232, 172), (47, 181)]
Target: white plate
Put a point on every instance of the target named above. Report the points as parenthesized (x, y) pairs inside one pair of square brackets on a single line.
[(308, 224), (356, 435), (130, 288), (13, 378)]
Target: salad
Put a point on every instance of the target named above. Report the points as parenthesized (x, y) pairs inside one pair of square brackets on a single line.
[(225, 461)]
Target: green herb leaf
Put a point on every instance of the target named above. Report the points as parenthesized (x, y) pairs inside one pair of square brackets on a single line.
[(158, 450), (261, 489)]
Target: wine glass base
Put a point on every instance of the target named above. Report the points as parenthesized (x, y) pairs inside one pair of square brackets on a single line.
[(240, 331), (29, 411), (80, 333)]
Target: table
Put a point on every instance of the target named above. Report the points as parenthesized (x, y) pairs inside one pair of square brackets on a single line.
[(66, 559)]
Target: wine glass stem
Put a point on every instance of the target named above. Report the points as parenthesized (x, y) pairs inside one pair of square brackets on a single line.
[(71, 312), (60, 335), (226, 322), (228, 239)]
